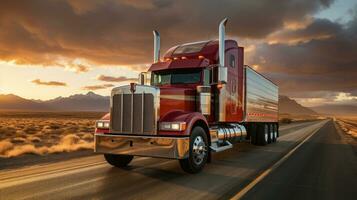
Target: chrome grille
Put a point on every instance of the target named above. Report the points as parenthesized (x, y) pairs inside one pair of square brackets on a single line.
[(133, 113)]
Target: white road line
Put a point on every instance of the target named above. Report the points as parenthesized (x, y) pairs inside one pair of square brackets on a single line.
[(54, 174), (246, 189), (71, 186)]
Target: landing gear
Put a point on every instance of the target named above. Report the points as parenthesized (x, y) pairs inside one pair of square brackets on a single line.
[(118, 160), (198, 152)]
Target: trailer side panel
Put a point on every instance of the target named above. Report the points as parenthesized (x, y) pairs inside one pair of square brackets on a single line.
[(261, 99)]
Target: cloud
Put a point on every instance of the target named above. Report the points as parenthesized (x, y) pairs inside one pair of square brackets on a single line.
[(97, 87), (115, 79), (48, 83), (319, 29), (312, 63), (304, 55), (114, 32), (78, 68)]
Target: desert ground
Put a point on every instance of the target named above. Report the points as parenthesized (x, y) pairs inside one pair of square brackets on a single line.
[(348, 125), (28, 138), (44, 133)]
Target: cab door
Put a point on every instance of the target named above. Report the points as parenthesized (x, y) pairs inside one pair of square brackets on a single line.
[(233, 103)]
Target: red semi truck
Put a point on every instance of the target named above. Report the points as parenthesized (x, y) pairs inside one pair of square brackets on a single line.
[(197, 100)]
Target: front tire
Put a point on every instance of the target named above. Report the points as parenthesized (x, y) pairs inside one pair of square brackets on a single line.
[(198, 152), (118, 160)]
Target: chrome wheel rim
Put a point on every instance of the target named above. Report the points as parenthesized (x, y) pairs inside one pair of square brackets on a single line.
[(199, 149), (266, 137)]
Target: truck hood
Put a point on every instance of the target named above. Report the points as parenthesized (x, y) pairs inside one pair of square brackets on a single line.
[(177, 99)]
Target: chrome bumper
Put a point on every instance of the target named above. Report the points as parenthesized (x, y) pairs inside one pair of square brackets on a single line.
[(150, 146)]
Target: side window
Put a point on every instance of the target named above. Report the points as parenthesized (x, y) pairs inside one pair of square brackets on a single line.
[(232, 61), (206, 77)]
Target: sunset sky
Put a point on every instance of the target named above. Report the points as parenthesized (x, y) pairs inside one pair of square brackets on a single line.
[(59, 48)]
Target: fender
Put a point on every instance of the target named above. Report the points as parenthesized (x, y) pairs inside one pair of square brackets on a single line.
[(181, 116), (106, 117)]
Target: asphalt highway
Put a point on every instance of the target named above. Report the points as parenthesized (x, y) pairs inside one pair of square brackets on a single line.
[(325, 167), (324, 159)]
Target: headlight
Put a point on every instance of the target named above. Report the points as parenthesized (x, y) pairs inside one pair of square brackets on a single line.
[(172, 126), (102, 124)]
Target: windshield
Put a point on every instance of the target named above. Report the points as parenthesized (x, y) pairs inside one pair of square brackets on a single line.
[(176, 77)]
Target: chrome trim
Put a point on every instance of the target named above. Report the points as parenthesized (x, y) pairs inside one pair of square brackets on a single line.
[(155, 91), (204, 99), (156, 46), (161, 147), (142, 113), (121, 114), (131, 112)]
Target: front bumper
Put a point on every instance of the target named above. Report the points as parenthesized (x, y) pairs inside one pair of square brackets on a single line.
[(150, 146)]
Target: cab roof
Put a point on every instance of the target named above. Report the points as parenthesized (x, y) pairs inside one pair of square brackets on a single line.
[(191, 55)]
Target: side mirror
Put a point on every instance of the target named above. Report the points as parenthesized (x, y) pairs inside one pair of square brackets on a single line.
[(144, 78), (141, 79)]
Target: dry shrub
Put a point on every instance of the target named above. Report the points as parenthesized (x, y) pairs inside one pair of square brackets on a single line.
[(56, 131), (25, 149), (55, 126), (18, 140), (7, 130), (43, 134), (87, 136), (68, 143), (5, 145), (30, 130), (34, 139)]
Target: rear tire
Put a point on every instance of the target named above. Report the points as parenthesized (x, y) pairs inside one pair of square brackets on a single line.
[(253, 134), (198, 152), (275, 132), (271, 133), (118, 160), (263, 134)]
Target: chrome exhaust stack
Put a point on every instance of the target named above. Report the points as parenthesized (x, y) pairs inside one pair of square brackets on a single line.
[(156, 46), (222, 72)]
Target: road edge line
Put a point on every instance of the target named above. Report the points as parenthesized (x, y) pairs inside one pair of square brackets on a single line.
[(247, 188)]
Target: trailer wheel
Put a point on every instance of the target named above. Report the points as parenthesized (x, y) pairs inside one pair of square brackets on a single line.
[(198, 152), (253, 134), (275, 132), (263, 134), (118, 160), (271, 133)]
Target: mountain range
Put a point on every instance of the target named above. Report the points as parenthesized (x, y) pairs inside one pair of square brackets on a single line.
[(77, 102), (291, 107), (95, 102)]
